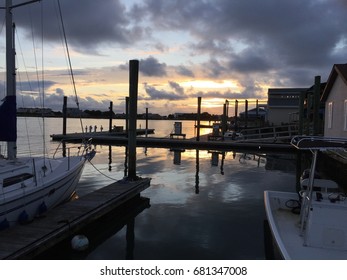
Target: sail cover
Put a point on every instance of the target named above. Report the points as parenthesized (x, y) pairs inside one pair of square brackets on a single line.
[(8, 120)]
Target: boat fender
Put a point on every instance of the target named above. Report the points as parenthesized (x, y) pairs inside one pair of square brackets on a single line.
[(42, 208), (4, 224), (79, 242), (23, 217)]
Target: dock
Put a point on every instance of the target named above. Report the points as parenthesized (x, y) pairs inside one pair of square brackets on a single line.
[(30, 240), (202, 144)]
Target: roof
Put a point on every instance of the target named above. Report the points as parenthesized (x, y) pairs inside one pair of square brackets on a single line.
[(284, 97), (337, 70), (253, 112), (285, 91)]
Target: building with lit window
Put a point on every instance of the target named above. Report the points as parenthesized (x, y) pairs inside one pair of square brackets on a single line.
[(283, 105), (335, 98)]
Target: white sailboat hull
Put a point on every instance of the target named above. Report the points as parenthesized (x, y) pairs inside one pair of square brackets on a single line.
[(21, 202)]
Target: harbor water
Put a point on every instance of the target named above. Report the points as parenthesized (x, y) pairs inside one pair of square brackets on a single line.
[(203, 204)]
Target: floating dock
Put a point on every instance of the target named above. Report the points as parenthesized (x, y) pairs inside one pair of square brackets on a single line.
[(157, 142), (30, 240)]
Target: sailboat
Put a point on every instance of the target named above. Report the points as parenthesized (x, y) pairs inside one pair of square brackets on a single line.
[(29, 186)]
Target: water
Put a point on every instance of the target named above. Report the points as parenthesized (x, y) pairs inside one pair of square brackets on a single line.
[(204, 204)]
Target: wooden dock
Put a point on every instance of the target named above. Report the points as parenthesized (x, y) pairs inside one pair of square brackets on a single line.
[(203, 144), (30, 240)]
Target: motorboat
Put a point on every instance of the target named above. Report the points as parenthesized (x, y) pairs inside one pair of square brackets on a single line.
[(311, 223)]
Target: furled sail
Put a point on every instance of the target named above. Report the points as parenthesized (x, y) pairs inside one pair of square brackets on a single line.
[(8, 121)]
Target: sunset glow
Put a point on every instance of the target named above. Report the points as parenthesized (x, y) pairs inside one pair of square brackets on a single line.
[(224, 52)]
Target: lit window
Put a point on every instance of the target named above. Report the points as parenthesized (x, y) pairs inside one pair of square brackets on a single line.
[(330, 114)]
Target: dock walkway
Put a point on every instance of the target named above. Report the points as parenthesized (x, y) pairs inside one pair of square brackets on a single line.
[(157, 142), (30, 240)]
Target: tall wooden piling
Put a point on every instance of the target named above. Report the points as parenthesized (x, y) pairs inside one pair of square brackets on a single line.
[(127, 114), (301, 112), (133, 92), (65, 115), (246, 114), (198, 120), (111, 116), (236, 112), (316, 105), (224, 119), (146, 122)]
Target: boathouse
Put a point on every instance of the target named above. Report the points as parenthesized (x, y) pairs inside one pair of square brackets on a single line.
[(335, 98), (283, 104)]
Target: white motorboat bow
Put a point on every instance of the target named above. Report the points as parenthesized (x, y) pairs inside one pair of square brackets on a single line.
[(311, 224)]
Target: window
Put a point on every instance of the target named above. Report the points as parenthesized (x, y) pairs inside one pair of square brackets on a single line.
[(330, 114), (16, 179), (345, 115)]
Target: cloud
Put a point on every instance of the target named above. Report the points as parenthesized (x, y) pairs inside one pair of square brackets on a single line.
[(151, 67), (89, 24), (258, 36), (184, 71), (155, 94)]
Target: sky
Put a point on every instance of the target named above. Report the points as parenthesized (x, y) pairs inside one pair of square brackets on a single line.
[(214, 49)]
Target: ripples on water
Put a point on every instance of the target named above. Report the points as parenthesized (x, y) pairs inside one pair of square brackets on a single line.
[(203, 205)]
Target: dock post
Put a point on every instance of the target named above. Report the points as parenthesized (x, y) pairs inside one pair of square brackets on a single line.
[(236, 113), (146, 121), (198, 120), (301, 112), (316, 105), (110, 119), (224, 120), (127, 114), (65, 115), (133, 92), (246, 114)]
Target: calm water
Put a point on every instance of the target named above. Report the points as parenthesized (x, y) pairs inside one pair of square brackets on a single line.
[(203, 204)]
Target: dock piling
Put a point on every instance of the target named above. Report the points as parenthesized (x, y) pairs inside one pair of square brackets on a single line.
[(110, 119), (198, 120), (133, 92), (64, 114)]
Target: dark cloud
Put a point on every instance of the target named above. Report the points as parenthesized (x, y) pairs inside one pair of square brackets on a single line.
[(282, 43), (184, 71), (155, 94), (249, 61), (178, 89), (178, 93), (259, 36), (151, 67), (89, 24)]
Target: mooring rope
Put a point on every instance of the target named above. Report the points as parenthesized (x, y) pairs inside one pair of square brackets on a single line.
[(98, 170)]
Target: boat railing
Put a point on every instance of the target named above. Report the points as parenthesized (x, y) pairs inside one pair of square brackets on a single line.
[(83, 150), (318, 143)]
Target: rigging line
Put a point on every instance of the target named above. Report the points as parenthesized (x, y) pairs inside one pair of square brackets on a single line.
[(102, 172), (43, 91), (20, 86), (69, 60)]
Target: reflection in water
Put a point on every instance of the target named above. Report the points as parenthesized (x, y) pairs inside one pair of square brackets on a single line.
[(225, 221), (215, 159), (197, 159), (102, 230), (130, 238), (177, 155), (109, 158)]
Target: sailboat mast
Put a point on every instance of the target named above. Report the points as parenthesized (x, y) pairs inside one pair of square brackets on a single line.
[(11, 69)]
